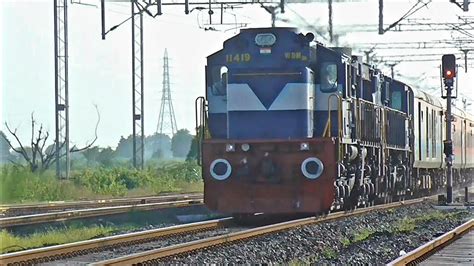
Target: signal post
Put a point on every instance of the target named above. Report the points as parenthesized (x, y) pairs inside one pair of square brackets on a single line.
[(448, 69)]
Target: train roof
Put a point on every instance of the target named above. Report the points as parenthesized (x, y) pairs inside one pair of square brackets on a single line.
[(427, 97), (438, 102)]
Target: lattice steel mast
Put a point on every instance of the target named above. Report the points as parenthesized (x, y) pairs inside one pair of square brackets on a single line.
[(137, 88), (166, 117), (61, 89)]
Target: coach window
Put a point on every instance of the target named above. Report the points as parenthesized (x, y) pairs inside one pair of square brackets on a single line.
[(328, 74), (219, 80)]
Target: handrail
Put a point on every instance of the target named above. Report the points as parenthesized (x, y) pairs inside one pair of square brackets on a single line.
[(200, 123), (327, 129)]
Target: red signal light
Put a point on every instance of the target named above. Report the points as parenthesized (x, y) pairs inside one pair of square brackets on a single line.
[(449, 66)]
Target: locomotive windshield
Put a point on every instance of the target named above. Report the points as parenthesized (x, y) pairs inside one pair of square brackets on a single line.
[(328, 73)]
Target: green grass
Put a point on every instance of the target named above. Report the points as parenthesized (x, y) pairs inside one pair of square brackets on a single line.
[(10, 243), (345, 241), (363, 234), (19, 185), (329, 253), (402, 226), (407, 225), (358, 236)]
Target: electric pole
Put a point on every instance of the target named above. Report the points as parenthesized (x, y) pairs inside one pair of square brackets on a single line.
[(61, 89), (138, 126)]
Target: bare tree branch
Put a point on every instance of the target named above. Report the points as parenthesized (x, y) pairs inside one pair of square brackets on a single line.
[(75, 149), (22, 151), (40, 158)]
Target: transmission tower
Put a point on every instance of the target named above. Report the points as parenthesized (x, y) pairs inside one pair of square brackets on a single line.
[(166, 118)]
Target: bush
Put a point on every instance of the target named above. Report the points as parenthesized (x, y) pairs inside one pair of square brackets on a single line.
[(182, 171), (18, 184), (101, 181)]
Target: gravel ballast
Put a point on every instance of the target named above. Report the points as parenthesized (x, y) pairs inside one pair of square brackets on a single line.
[(375, 238), (109, 253)]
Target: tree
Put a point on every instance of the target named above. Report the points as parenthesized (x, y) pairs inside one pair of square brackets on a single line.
[(5, 154), (105, 156), (36, 156), (157, 146), (91, 155), (181, 142), (194, 150), (124, 148)]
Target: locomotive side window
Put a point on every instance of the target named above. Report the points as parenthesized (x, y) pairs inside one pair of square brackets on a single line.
[(219, 80), (396, 100), (328, 74)]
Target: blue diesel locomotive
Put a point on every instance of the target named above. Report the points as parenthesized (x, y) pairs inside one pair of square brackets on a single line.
[(291, 126)]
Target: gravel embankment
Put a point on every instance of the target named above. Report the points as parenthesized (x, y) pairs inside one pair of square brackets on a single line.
[(374, 238)]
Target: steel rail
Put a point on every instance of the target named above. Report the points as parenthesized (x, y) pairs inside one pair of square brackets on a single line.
[(61, 205), (417, 255), (33, 256), (246, 234), (84, 213)]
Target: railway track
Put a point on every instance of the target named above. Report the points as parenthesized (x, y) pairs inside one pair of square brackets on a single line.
[(67, 250), (102, 211), (46, 254), (423, 252), (26, 209), (180, 249)]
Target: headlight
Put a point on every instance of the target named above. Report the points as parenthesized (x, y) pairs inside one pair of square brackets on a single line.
[(304, 146), (312, 167), (230, 148), (265, 39), (245, 147), (220, 169)]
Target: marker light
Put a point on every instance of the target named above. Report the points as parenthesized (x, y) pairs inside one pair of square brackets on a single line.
[(304, 146), (230, 148)]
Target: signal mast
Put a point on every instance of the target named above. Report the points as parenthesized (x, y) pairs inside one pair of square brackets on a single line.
[(448, 69)]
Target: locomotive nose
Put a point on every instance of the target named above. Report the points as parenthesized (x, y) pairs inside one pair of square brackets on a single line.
[(268, 167)]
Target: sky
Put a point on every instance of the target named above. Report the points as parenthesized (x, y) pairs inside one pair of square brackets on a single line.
[(100, 70)]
